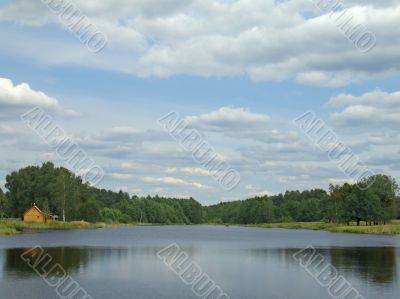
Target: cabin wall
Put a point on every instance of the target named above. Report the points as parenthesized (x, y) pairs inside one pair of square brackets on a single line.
[(34, 216)]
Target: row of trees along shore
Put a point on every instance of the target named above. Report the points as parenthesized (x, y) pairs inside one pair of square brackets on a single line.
[(55, 189)]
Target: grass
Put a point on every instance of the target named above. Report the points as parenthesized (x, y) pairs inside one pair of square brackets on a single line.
[(392, 228), (15, 226), (8, 231)]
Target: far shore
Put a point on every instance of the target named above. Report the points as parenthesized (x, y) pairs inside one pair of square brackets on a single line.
[(14, 226), (392, 228)]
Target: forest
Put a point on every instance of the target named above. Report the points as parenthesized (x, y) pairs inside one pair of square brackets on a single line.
[(373, 201), (54, 189)]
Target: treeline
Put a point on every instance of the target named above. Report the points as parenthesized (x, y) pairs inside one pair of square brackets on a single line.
[(292, 206), (56, 190), (373, 201)]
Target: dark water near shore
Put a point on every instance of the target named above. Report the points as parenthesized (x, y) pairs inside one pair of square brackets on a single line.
[(244, 262)]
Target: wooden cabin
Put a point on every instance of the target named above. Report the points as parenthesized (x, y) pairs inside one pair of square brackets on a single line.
[(34, 214)]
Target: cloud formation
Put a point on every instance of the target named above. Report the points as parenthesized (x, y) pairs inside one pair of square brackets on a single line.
[(265, 39), (22, 96), (228, 119), (174, 181), (374, 110)]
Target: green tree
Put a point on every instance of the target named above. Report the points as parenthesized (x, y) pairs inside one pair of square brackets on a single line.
[(3, 204), (382, 189), (90, 211)]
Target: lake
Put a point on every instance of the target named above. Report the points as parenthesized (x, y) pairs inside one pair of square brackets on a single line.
[(245, 263)]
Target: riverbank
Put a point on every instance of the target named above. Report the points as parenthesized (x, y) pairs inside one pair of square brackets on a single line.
[(13, 227), (392, 228)]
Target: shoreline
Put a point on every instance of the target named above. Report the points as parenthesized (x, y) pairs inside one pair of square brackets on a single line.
[(15, 227), (392, 228)]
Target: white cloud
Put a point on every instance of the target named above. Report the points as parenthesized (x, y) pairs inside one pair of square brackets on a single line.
[(229, 118), (27, 13), (370, 110), (129, 134), (22, 96), (171, 170), (7, 130), (174, 181), (328, 79), (130, 165), (249, 187), (122, 176), (195, 171), (212, 37), (373, 98), (293, 178), (264, 135)]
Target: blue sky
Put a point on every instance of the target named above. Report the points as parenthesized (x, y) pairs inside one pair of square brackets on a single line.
[(223, 65)]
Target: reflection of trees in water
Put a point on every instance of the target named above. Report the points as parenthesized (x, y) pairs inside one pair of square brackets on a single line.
[(152, 251), (74, 259), (376, 265), (71, 259)]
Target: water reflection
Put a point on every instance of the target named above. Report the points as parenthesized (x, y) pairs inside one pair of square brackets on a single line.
[(373, 265), (376, 265), (71, 259), (243, 270)]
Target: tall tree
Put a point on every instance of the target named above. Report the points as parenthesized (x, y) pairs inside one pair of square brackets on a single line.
[(3, 204)]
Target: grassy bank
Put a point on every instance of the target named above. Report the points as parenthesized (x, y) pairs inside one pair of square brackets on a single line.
[(13, 227), (393, 228)]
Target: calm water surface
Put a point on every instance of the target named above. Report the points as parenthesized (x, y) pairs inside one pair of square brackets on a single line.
[(245, 262)]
